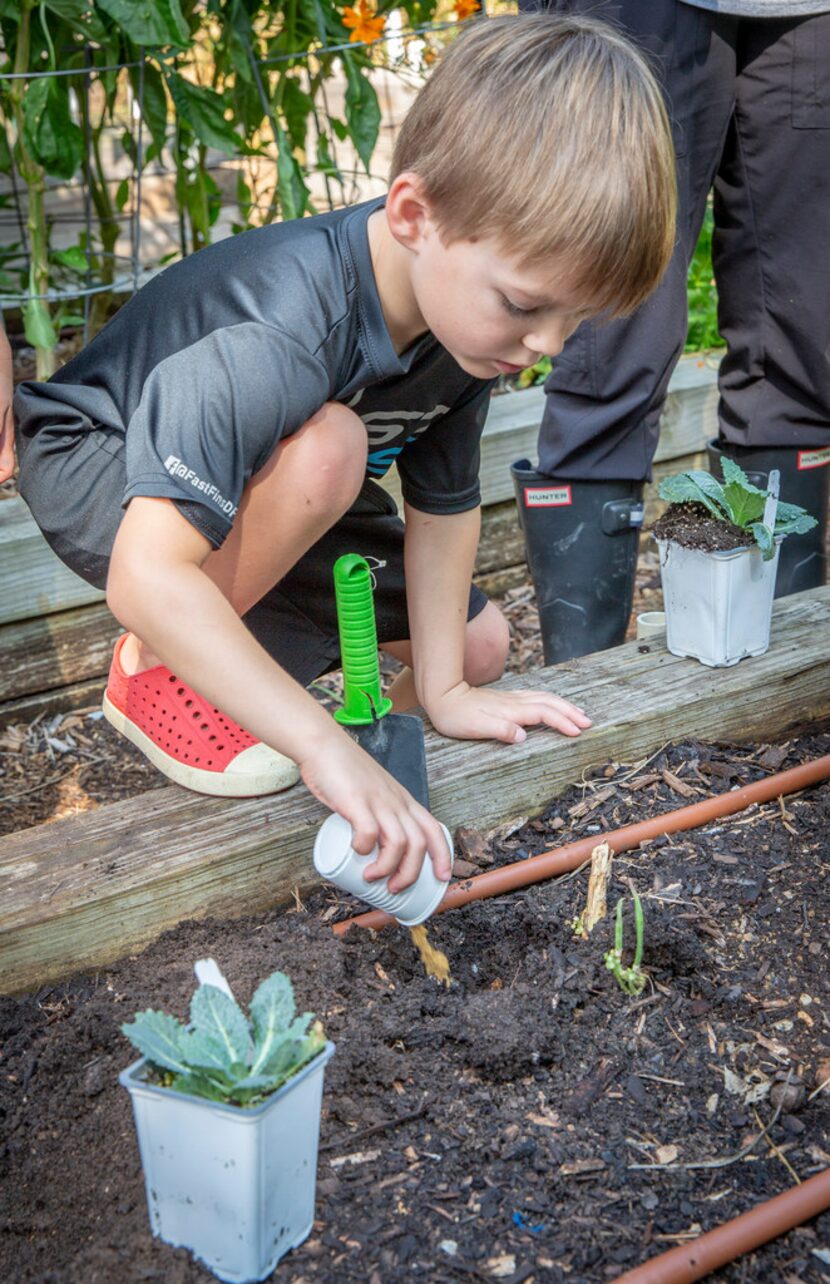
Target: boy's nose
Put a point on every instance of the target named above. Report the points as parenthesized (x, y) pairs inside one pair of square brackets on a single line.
[(550, 340)]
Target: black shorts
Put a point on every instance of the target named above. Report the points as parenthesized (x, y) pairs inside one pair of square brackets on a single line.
[(297, 621), (73, 484)]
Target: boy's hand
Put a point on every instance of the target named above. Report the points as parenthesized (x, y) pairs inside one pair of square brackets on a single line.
[(476, 713), (379, 810)]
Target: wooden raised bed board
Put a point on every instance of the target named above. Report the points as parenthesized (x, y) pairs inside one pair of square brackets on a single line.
[(87, 890)]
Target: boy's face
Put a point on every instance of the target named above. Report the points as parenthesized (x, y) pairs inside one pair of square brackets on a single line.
[(493, 314)]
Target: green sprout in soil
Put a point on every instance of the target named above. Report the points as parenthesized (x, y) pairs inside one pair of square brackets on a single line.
[(736, 500), (222, 1055), (631, 980)]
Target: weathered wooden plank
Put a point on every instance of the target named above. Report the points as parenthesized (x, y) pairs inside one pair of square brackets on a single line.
[(35, 581), (55, 650), (78, 695), (83, 891)]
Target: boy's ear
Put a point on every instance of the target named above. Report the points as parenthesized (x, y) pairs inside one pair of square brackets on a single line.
[(408, 211)]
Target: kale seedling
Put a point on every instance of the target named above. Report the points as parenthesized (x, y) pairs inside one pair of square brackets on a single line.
[(630, 979), (222, 1055), (736, 500)]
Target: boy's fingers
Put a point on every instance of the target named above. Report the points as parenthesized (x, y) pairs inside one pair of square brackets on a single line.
[(439, 852), (557, 704), (554, 713), (391, 849), (364, 833), (410, 867)]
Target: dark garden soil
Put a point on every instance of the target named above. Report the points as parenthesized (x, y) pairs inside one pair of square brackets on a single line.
[(530, 1123), (693, 526)]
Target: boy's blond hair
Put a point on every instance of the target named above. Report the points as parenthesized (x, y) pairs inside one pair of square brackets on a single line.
[(550, 133)]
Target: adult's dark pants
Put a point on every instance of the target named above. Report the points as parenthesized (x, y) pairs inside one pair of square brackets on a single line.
[(749, 100)]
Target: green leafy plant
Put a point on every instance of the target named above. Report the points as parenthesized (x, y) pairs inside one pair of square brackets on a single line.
[(702, 293), (631, 979), (222, 1055), (736, 500)]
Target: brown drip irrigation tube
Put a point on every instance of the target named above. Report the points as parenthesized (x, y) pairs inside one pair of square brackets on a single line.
[(560, 861), (725, 1243)]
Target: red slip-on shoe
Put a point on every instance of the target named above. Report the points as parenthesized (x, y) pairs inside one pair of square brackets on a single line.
[(188, 740)]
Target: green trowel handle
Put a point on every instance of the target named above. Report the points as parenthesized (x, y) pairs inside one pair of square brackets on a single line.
[(362, 699)]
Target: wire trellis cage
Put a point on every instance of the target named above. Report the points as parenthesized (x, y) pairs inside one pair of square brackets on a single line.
[(128, 143)]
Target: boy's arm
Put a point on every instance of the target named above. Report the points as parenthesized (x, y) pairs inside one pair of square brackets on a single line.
[(158, 590), (439, 558), (6, 420)]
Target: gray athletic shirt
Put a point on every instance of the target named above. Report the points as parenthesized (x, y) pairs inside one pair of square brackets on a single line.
[(225, 353)]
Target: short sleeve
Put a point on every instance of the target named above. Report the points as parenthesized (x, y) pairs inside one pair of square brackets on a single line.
[(210, 416), (439, 469)]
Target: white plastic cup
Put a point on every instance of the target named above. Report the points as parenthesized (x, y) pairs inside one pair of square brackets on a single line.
[(336, 860), (650, 624)]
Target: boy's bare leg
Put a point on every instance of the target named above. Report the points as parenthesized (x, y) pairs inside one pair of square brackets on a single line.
[(308, 483), (485, 650)]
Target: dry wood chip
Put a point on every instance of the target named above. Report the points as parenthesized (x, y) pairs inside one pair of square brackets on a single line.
[(591, 803), (579, 1167), (640, 782), (502, 1266), (679, 786), (772, 1045), (773, 757), (506, 829), (474, 846), (722, 859), (359, 1157), (666, 1154), (547, 1120)]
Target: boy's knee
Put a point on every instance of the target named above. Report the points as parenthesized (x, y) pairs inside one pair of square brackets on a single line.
[(335, 438), (488, 642)]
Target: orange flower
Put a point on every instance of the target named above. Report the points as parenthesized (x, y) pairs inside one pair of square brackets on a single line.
[(364, 24), (465, 9)]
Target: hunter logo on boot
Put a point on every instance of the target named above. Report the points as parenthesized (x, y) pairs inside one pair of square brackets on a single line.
[(547, 496), (814, 458)]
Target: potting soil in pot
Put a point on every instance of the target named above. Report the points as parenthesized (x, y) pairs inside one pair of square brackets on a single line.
[(694, 527), (531, 1121)]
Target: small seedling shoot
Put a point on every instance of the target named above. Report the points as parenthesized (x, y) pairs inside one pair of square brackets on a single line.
[(738, 501), (632, 979), (222, 1054)]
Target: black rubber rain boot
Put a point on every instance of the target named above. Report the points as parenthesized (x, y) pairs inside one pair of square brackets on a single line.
[(805, 480), (581, 539)]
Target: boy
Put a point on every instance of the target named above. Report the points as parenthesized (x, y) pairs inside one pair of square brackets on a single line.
[(206, 457)]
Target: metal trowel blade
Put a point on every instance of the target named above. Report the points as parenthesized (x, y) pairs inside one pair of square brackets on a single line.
[(396, 741)]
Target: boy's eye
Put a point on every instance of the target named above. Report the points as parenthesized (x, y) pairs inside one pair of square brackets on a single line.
[(514, 309)]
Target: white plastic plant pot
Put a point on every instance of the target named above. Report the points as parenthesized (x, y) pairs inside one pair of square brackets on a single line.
[(235, 1186), (336, 860), (718, 605)]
